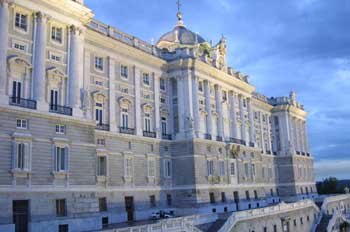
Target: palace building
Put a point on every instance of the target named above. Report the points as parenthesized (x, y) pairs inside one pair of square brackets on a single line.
[(100, 127)]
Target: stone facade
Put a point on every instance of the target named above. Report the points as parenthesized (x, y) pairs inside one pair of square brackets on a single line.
[(115, 127)]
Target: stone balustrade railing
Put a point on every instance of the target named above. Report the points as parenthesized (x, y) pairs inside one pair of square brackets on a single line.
[(263, 212), (333, 199), (187, 224)]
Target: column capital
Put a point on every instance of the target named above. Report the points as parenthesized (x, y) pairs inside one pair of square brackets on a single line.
[(4, 2), (77, 31), (42, 17)]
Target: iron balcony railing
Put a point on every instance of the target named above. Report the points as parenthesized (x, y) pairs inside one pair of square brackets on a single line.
[(101, 126), (219, 138), (149, 134), (128, 131), (22, 102), (251, 144), (207, 136), (237, 141), (166, 136), (268, 152), (65, 110)]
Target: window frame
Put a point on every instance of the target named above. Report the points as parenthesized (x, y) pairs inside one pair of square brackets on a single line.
[(57, 159), (60, 129), (99, 66), (162, 84), (19, 27), (151, 167), (61, 212), (168, 170), (100, 168), (210, 167), (146, 79), (122, 71), (21, 123), (55, 31)]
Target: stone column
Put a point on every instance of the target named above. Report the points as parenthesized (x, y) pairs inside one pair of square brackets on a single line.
[(137, 119), (251, 121), (4, 30), (180, 105), (76, 64), (40, 61), (241, 110), (218, 99), (86, 106), (295, 134), (307, 147), (112, 99), (300, 135), (233, 118), (195, 105), (156, 106), (171, 107), (269, 142), (208, 107), (262, 138)]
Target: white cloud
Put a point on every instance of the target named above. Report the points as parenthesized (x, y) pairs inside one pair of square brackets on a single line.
[(339, 168)]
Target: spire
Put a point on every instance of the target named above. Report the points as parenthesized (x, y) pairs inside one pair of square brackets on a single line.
[(179, 14)]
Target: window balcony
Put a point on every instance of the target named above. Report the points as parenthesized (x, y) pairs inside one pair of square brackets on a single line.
[(101, 126), (268, 152), (219, 138), (166, 137), (303, 153), (298, 153), (149, 134), (61, 110), (237, 141), (24, 103), (125, 130), (207, 136), (251, 144)]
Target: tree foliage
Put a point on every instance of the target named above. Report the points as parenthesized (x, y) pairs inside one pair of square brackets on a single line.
[(328, 186)]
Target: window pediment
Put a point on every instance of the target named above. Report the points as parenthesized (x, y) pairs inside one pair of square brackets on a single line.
[(147, 108), (19, 61), (124, 102), (55, 72)]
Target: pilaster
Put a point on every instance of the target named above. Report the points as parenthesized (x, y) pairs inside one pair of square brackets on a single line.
[(208, 107), (4, 29), (218, 99), (195, 105), (112, 100), (157, 106), (241, 111), (39, 71), (262, 138), (232, 116), (138, 124), (251, 121)]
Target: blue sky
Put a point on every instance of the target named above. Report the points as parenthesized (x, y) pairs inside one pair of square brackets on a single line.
[(300, 45)]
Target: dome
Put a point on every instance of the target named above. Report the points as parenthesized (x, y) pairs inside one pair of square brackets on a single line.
[(180, 36)]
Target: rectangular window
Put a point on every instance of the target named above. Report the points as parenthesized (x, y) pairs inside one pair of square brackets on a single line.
[(147, 121), (200, 86), (20, 47), (125, 90), (125, 118), (61, 159), (99, 63), (246, 170), (102, 166), (222, 168), (256, 195), (61, 208), (224, 95), (124, 72), (21, 156), (162, 84), (63, 228), (60, 129), (169, 199), (253, 170), (146, 79), (167, 169), (232, 169), (152, 201), (21, 21), (151, 168), (16, 91), (247, 196), (99, 113), (162, 100), (102, 202), (128, 167), (56, 58), (210, 167), (223, 197), (212, 198), (56, 34), (164, 126), (101, 142), (22, 124), (301, 221)]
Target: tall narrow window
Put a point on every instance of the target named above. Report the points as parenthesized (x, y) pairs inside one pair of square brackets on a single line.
[(147, 123), (146, 79), (16, 91), (21, 21), (102, 201), (128, 167), (102, 166), (61, 208), (61, 159), (210, 167), (162, 84), (247, 196), (99, 63), (222, 168), (232, 169), (152, 200), (125, 118), (169, 199), (21, 156), (54, 99), (56, 34), (164, 126), (99, 113), (124, 71), (167, 169), (151, 168), (246, 170)]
